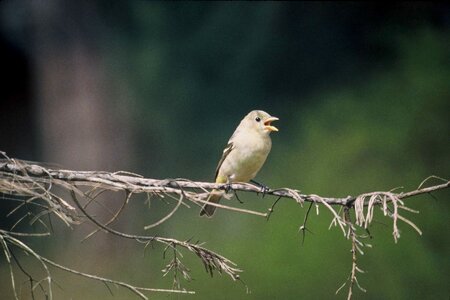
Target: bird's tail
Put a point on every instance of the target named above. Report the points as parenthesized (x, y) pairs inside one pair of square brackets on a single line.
[(214, 197)]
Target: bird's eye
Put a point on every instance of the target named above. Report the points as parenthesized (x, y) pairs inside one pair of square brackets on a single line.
[(257, 119)]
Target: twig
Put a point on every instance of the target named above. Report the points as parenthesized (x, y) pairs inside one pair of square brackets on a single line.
[(272, 207), (356, 244), (212, 260), (114, 217), (44, 261), (303, 228), (170, 214)]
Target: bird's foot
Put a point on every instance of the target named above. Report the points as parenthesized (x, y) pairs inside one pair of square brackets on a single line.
[(227, 187), (264, 188)]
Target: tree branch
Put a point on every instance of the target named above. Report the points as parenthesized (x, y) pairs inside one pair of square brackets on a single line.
[(35, 185), (136, 183)]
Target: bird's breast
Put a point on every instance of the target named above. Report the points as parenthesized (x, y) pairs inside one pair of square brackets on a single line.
[(246, 159)]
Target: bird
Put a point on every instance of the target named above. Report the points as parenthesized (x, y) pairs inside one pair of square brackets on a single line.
[(244, 155)]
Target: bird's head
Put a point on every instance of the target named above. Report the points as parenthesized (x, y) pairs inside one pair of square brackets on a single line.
[(260, 121)]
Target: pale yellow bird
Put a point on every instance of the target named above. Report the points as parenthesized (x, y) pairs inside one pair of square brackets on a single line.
[(244, 155)]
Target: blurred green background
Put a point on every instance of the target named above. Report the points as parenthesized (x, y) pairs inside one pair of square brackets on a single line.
[(156, 88)]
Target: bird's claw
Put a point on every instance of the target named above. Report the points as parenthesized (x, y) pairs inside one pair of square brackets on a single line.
[(264, 188), (227, 187)]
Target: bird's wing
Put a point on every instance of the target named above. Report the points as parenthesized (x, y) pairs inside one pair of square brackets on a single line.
[(226, 151)]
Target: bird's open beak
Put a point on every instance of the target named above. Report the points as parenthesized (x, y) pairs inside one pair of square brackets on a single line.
[(267, 124)]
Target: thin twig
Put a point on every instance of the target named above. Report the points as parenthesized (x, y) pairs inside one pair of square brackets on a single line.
[(303, 227), (272, 207), (44, 261)]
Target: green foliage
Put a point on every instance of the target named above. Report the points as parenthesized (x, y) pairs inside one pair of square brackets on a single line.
[(390, 131), (370, 132), (362, 92)]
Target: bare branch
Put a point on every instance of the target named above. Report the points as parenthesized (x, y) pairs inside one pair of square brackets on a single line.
[(117, 181), (30, 184), (5, 237)]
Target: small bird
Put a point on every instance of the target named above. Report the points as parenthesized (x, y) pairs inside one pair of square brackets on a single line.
[(244, 155)]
